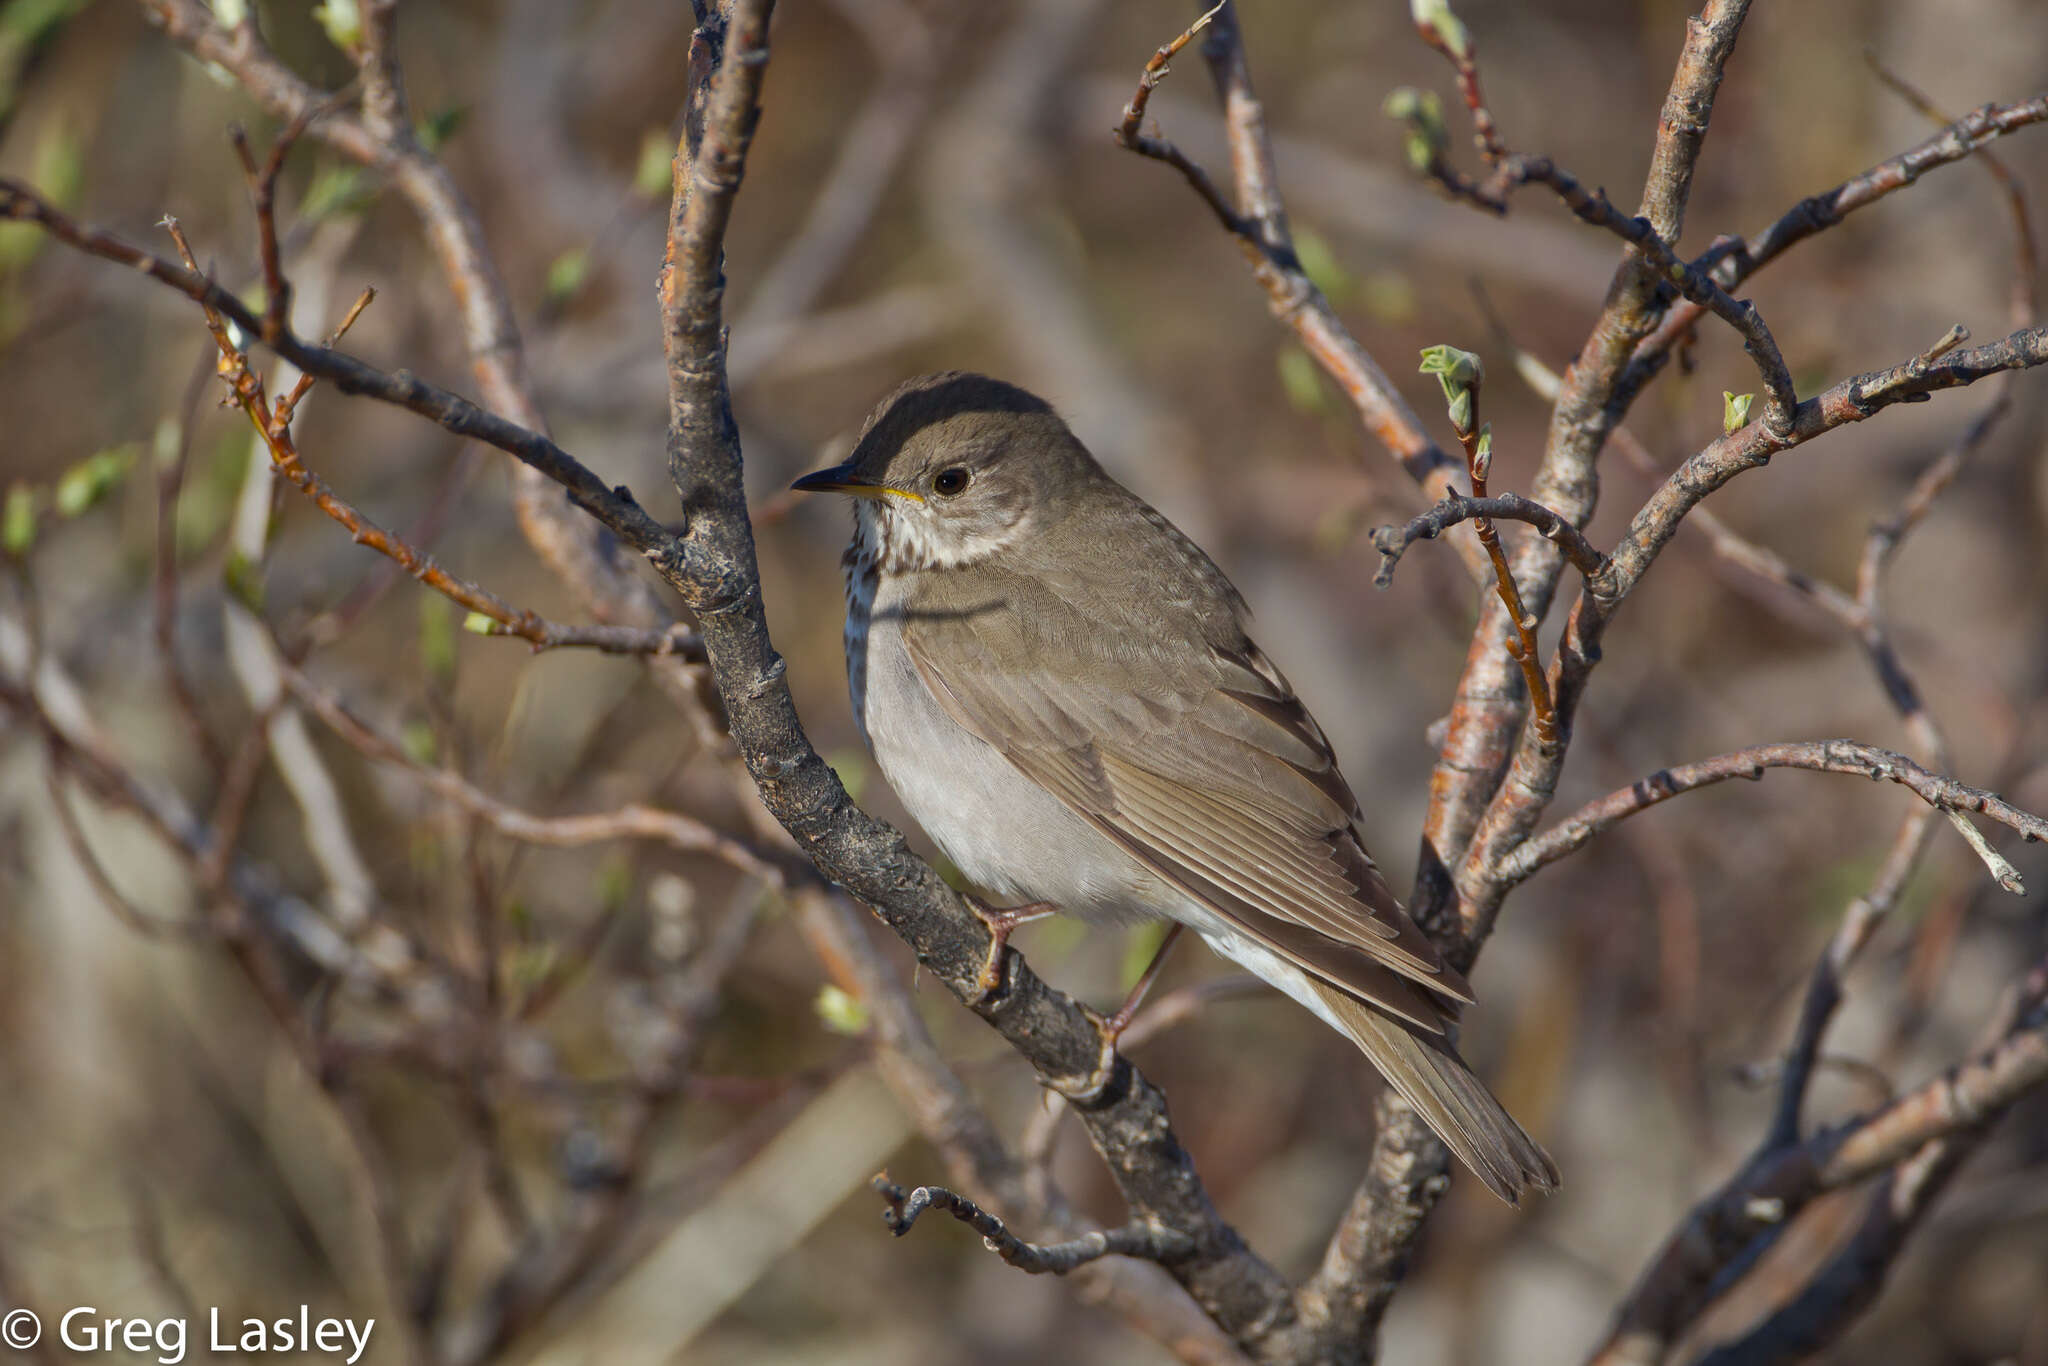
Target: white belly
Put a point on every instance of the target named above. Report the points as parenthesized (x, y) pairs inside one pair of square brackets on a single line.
[(1001, 830)]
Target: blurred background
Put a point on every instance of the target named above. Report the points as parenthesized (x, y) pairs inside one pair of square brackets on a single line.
[(935, 186)]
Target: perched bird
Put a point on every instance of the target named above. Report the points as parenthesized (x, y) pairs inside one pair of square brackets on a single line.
[(1060, 687)]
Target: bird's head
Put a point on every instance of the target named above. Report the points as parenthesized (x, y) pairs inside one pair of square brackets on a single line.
[(952, 468)]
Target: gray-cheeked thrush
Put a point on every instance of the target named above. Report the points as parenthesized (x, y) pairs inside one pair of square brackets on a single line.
[(1060, 687)]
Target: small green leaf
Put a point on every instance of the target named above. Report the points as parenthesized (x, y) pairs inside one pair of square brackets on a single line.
[(1460, 373), (1436, 14), (1322, 266), (528, 965), (853, 770), (93, 478), (1453, 368), (58, 171), (25, 23), (567, 274), (1460, 409), (337, 191), (1141, 945), (243, 579), (231, 13), (1388, 297), (343, 22), (480, 624), (840, 1011), (1302, 380), (654, 171), (1735, 411), (614, 883), (165, 441), (436, 129), (1425, 135), (417, 740), (437, 639), (18, 521)]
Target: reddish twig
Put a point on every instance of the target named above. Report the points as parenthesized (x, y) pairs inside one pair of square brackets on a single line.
[(1392, 541), (1464, 60)]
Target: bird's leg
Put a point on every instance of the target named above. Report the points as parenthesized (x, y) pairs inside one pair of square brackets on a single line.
[(1112, 1027), (1001, 924)]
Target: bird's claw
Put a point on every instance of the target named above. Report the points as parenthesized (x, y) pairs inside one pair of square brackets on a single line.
[(1001, 923), (1085, 1091)]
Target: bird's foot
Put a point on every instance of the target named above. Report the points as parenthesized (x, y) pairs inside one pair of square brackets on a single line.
[(1110, 1028), (1085, 1091), (1001, 924)]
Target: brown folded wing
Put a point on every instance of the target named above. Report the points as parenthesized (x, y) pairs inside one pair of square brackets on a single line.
[(1202, 763)]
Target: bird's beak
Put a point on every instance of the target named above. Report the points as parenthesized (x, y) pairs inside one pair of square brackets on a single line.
[(842, 479)]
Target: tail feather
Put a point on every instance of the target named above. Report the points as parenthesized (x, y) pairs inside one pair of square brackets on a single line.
[(1455, 1103)]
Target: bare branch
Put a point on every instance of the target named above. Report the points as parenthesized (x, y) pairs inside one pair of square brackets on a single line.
[(1260, 229), (635, 821), (615, 508), (1130, 1240), (1776, 1185), (1393, 541), (1820, 756), (1736, 259)]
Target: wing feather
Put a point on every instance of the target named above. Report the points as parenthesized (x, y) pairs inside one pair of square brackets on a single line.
[(1214, 776)]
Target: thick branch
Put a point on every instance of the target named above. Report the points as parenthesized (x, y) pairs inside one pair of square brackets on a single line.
[(713, 565)]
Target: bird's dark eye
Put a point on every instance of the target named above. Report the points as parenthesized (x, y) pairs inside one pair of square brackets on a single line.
[(951, 481)]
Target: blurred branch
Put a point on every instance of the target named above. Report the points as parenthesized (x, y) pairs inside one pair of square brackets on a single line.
[(678, 831), (1854, 1277), (712, 565), (1777, 1184), (907, 52), (382, 139), (1259, 225)]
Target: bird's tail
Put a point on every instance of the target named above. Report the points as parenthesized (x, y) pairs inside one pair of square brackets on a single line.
[(1436, 1082)]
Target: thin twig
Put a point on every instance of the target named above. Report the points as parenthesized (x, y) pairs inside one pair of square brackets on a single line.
[(1129, 1240), (1393, 541), (1820, 756)]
